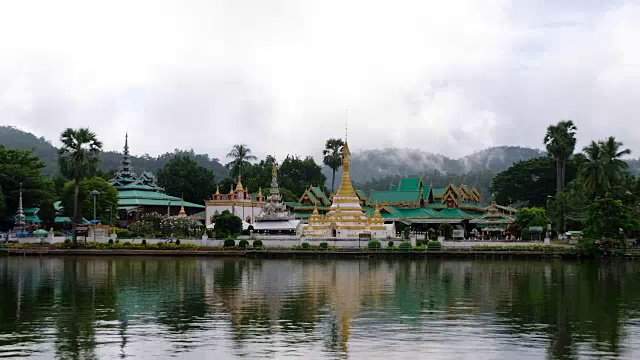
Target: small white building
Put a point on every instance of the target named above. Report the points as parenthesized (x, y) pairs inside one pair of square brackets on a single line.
[(238, 202)]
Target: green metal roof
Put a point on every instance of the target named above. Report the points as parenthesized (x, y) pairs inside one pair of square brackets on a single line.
[(409, 184), (393, 188), (438, 192), (454, 213), (390, 197), (418, 213), (32, 211), (425, 190), (139, 194), (154, 202)]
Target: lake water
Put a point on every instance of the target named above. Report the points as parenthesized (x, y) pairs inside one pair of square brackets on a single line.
[(197, 308)]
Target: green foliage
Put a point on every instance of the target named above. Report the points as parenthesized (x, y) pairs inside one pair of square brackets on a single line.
[(144, 242), (297, 174), (404, 246), (125, 233), (603, 167), (227, 224), (527, 217), (182, 176), (243, 244), (609, 219), (229, 243), (535, 248), (130, 246), (560, 141), (241, 155), (390, 243), (21, 166), (567, 210), (177, 241), (530, 181), (374, 245), (110, 241), (333, 157), (107, 200), (78, 160), (3, 204), (433, 245), (257, 244), (305, 245), (47, 214), (323, 245)]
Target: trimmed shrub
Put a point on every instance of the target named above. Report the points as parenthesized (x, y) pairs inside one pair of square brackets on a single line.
[(178, 242), (420, 242), (110, 241), (323, 245), (57, 233), (257, 244), (305, 245), (374, 245), (405, 246), (243, 244), (144, 242), (67, 241), (117, 241), (390, 243), (229, 243), (434, 245)]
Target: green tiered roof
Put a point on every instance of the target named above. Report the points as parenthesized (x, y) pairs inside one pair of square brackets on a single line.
[(391, 197), (135, 191)]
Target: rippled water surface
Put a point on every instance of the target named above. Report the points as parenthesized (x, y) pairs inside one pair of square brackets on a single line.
[(196, 308)]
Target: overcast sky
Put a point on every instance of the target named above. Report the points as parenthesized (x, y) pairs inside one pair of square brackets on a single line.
[(449, 77)]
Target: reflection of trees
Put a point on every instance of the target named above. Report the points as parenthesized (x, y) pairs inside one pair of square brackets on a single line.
[(307, 302)]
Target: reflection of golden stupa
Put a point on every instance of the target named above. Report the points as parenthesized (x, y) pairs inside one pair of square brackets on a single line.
[(346, 219)]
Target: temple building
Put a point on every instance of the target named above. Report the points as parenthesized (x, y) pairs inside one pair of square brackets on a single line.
[(140, 194), (237, 201), (346, 219), (275, 218), (497, 221)]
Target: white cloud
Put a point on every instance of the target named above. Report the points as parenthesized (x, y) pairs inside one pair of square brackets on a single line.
[(447, 77)]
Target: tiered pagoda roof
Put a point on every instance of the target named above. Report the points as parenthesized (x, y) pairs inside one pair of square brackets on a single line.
[(139, 191)]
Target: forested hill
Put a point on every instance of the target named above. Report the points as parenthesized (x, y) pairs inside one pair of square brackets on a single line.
[(370, 165), (14, 138)]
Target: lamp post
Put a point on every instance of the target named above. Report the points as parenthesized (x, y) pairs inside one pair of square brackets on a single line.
[(95, 194)]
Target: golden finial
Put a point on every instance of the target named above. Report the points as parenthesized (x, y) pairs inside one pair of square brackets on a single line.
[(259, 191), (239, 187), (217, 189), (274, 170)]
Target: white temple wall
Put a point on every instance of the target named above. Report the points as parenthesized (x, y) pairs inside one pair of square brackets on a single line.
[(238, 210)]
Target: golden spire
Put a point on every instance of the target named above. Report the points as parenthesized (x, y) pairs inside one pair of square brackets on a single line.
[(274, 170), (315, 208), (346, 188), (182, 212), (239, 187), (217, 189), (259, 191)]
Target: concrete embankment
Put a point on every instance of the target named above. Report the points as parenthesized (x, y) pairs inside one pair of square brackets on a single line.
[(280, 254)]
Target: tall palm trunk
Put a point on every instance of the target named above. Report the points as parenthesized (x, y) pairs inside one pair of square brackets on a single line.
[(76, 192), (333, 179), (558, 176)]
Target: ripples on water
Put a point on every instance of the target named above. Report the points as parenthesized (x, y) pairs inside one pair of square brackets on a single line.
[(195, 308)]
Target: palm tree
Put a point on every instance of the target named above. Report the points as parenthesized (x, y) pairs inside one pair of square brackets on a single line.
[(333, 157), (560, 140), (603, 167), (78, 159), (615, 168), (241, 154)]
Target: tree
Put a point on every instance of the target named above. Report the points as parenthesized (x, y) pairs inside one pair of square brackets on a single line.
[(567, 210), (47, 214), (22, 167), (560, 141), (78, 160), (529, 181), (603, 168), (183, 177), (609, 219), (333, 157), (227, 224), (527, 217), (105, 202), (3, 205), (297, 174), (258, 175), (241, 155)]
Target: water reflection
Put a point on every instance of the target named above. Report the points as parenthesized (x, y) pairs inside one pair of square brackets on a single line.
[(191, 307)]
